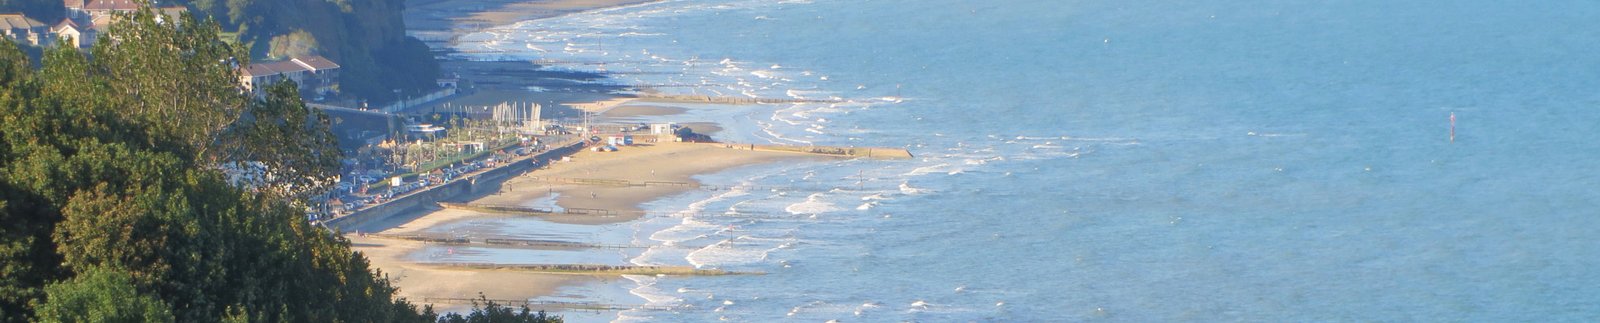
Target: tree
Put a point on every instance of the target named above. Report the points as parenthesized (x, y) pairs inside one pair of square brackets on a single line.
[(294, 44), (366, 37), (111, 187), (291, 140), (486, 311), (101, 295)]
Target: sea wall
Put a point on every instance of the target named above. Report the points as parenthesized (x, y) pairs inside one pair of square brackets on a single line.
[(487, 181)]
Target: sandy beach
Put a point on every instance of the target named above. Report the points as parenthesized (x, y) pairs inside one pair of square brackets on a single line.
[(403, 260), (671, 162)]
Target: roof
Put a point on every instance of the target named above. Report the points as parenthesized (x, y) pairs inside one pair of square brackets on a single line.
[(102, 22), (73, 4), (12, 21), (272, 68), (108, 4), (298, 64), (316, 62), (64, 24)]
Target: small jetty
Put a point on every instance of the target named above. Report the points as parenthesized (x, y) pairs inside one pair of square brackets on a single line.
[(587, 269)]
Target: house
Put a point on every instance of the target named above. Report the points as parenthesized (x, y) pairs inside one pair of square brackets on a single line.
[(66, 29), (86, 10), (91, 17), (23, 29), (315, 74)]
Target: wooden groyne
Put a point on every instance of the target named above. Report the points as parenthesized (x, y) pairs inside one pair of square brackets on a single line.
[(745, 215), (585, 269), (863, 152), (450, 240), (546, 305), (523, 210), (618, 182), (725, 99)]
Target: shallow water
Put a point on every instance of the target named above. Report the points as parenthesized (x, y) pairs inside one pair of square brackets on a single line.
[(1124, 160)]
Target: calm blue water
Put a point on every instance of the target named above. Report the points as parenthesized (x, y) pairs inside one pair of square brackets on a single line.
[(1126, 160)]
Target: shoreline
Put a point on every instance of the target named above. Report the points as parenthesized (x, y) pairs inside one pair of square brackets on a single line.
[(394, 257), (419, 280), (415, 268), (404, 261)]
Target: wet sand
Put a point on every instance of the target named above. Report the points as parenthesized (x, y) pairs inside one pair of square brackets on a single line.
[(662, 161), (438, 22), (641, 110)]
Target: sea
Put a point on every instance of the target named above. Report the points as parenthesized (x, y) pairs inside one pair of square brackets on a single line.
[(1126, 161)]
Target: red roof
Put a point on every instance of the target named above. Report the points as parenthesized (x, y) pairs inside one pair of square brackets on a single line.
[(109, 5)]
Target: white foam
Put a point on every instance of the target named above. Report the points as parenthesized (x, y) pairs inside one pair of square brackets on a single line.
[(812, 205), (690, 229), (653, 296), (926, 170), (905, 188), (726, 253)]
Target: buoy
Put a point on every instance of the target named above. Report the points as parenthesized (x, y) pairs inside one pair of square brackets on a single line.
[(1452, 127)]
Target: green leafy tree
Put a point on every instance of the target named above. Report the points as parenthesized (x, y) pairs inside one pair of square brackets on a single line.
[(101, 296), (110, 166), (291, 140), (485, 311), (294, 44), (366, 37)]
